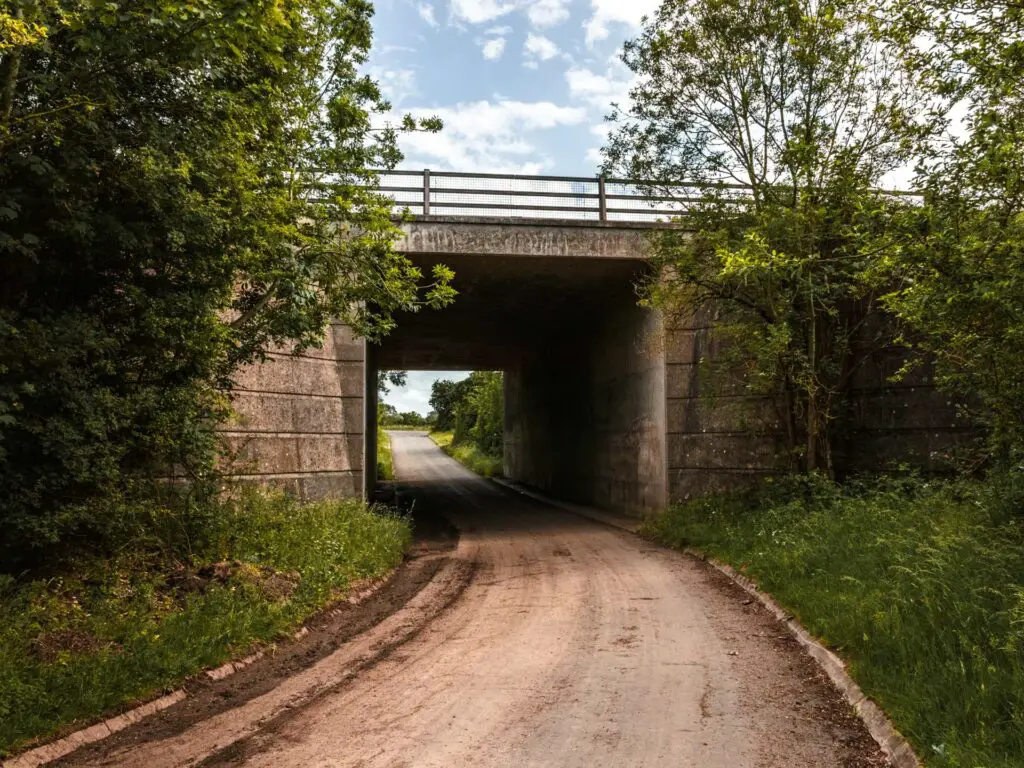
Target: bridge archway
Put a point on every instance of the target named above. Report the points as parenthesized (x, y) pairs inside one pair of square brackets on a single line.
[(554, 306)]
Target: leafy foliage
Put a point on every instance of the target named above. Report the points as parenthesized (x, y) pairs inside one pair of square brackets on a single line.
[(802, 106), (183, 185)]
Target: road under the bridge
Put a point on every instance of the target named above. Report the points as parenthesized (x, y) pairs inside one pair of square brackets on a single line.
[(573, 645), (585, 405)]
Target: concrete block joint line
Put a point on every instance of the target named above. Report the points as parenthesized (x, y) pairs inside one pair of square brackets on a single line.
[(895, 746), (54, 750)]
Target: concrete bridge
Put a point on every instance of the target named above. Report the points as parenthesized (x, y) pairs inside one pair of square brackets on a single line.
[(602, 401)]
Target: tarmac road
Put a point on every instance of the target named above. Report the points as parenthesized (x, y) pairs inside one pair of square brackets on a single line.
[(568, 644)]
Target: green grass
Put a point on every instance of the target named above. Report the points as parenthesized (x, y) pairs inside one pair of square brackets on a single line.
[(103, 633), (920, 587), (468, 454), (385, 466)]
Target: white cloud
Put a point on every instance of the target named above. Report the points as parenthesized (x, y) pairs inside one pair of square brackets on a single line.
[(479, 11), (397, 85), (599, 90), (483, 136), (502, 31), (539, 47), (426, 11), (607, 12), (547, 13), (492, 49)]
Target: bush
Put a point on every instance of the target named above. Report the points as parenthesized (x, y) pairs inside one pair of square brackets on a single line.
[(920, 586)]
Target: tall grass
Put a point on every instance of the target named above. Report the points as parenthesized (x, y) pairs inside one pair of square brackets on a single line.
[(103, 633), (468, 454), (919, 586), (385, 465)]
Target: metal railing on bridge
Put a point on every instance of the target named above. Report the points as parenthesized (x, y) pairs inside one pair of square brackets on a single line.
[(579, 198)]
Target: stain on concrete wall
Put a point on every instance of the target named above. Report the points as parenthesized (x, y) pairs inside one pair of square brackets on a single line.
[(591, 240)]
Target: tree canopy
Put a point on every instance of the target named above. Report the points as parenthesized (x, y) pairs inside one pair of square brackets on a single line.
[(182, 186), (787, 115)]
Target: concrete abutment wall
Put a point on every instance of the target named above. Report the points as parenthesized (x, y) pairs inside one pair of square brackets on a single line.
[(585, 419), (301, 419)]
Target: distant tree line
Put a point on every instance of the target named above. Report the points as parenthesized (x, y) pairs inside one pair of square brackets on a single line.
[(389, 416)]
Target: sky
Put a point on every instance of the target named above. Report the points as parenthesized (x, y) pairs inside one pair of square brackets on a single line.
[(522, 86), (415, 395)]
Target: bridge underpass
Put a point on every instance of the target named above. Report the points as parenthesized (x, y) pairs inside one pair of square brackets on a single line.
[(603, 404), (583, 364)]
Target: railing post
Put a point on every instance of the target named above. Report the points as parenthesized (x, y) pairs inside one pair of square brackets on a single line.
[(602, 202), (426, 191)]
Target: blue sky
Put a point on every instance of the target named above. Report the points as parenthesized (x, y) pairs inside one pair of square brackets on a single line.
[(522, 86)]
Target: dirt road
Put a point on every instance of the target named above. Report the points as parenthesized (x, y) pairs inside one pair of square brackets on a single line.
[(573, 645)]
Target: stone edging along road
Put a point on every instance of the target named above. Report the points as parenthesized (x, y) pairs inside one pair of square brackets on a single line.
[(54, 750), (895, 746)]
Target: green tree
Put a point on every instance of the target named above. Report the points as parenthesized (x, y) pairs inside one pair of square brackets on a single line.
[(487, 397), (782, 118), (445, 396), (182, 186), (958, 272)]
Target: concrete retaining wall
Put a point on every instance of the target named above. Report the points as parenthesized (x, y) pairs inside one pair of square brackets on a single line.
[(301, 419)]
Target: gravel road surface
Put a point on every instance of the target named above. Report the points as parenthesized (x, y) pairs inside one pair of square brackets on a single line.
[(550, 640)]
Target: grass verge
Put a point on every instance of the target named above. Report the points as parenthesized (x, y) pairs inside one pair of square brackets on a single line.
[(103, 633), (919, 587), (385, 466), (468, 454)]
